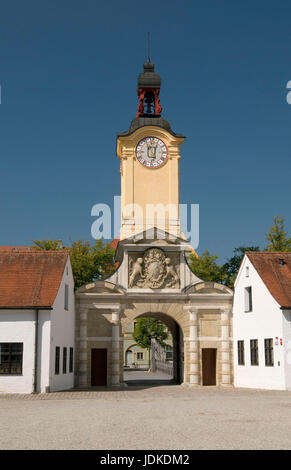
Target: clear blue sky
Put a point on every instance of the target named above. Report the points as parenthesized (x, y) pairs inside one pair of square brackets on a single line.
[(68, 77)]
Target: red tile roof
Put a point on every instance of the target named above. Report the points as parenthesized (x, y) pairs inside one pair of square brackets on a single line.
[(275, 271), (30, 278), (16, 248), (114, 243)]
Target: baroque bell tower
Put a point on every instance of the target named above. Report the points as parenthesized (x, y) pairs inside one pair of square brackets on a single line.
[(149, 155)]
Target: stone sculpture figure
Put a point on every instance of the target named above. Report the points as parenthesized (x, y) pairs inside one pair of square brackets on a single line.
[(136, 271), (171, 273)]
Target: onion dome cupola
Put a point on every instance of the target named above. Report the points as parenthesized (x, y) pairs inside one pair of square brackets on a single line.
[(148, 89), (149, 109)]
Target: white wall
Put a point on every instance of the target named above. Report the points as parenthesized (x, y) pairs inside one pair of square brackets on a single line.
[(264, 321), (63, 333), (286, 316), (43, 358), (18, 326)]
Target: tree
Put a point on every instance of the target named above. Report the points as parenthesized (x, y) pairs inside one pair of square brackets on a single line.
[(89, 262), (232, 265), (147, 328), (206, 268), (47, 245), (277, 237)]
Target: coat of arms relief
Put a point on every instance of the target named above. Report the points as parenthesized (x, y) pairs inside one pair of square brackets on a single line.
[(154, 270)]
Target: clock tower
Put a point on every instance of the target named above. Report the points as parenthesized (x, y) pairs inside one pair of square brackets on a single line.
[(149, 155)]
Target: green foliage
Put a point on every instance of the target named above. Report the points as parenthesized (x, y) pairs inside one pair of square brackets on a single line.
[(206, 268), (232, 265), (146, 328), (89, 262), (277, 237), (47, 245)]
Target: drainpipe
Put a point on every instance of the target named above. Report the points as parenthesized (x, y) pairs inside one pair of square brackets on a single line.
[(35, 352)]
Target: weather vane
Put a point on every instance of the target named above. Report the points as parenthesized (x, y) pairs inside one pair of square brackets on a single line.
[(149, 47)]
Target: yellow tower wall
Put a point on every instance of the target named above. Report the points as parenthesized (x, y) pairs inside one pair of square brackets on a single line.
[(143, 186)]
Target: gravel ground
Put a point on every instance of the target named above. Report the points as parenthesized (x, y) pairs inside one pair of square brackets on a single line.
[(147, 417)]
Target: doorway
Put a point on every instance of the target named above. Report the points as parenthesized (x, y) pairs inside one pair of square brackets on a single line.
[(156, 362), (98, 367), (129, 358), (209, 366)]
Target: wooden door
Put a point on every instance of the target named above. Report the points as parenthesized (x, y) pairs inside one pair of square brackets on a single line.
[(209, 366), (98, 367)]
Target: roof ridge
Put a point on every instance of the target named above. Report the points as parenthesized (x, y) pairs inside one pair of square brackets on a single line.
[(269, 252), (63, 250)]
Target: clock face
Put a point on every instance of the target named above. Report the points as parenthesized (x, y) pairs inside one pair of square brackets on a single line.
[(151, 152)]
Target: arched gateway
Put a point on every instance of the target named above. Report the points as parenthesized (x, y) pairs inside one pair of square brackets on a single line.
[(197, 313), (153, 277)]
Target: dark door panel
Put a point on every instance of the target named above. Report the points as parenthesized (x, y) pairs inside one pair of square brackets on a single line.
[(98, 367), (209, 366)]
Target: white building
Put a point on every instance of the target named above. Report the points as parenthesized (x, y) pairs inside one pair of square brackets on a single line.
[(262, 321), (37, 321)]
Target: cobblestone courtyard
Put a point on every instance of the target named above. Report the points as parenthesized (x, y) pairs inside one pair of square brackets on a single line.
[(147, 417)]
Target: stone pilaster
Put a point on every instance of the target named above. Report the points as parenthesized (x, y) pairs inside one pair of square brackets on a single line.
[(115, 355), (225, 348), (83, 346), (193, 347)]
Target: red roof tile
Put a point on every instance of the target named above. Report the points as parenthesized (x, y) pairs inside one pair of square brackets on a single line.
[(16, 248), (114, 243), (30, 278), (275, 271)]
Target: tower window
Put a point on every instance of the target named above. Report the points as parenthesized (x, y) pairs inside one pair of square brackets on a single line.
[(149, 102)]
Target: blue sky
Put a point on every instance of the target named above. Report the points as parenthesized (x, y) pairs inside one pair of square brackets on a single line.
[(68, 78)]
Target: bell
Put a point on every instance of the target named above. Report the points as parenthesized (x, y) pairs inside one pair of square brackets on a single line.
[(149, 99)]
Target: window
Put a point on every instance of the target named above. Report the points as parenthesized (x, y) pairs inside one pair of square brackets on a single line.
[(169, 353), (71, 361), (57, 360), (247, 271), (11, 355), (241, 353), (248, 299), (139, 356), (254, 352), (66, 297), (64, 360), (269, 352)]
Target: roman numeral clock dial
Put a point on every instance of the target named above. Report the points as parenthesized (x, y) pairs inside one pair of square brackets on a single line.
[(151, 152)]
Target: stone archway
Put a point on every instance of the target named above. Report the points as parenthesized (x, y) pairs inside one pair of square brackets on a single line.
[(177, 337)]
